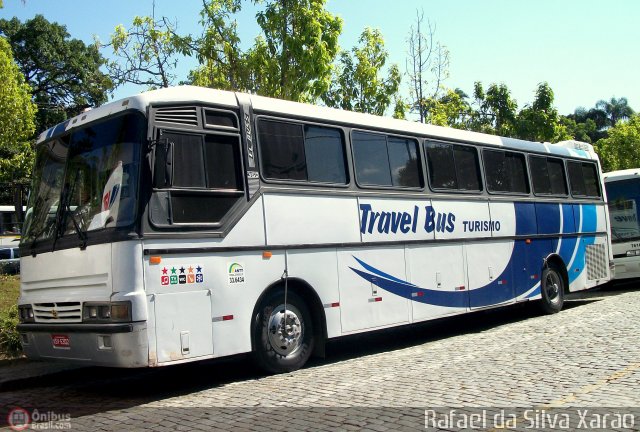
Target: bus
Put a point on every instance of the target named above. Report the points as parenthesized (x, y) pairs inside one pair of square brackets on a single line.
[(10, 226), (190, 223), (623, 193)]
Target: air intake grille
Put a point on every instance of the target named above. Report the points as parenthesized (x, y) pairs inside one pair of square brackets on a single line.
[(597, 262), (178, 115), (62, 312)]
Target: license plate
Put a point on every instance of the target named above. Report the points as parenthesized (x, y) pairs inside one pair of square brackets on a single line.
[(60, 341)]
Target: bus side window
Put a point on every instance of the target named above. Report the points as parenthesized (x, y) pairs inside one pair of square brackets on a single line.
[(386, 161), (506, 172), (453, 167), (547, 176), (583, 177), (292, 151)]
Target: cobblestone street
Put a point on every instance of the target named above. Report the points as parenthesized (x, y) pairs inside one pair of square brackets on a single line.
[(587, 356)]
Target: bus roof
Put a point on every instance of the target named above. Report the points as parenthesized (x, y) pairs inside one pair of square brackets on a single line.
[(200, 95), (621, 174)]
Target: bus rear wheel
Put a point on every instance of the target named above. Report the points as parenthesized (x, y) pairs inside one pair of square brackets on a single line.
[(283, 333), (552, 289)]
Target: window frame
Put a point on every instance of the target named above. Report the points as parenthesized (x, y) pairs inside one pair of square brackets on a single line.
[(483, 187), (267, 180), (419, 158), (526, 167), (564, 168), (203, 191)]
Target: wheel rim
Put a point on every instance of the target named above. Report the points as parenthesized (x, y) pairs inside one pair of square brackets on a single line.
[(552, 286), (285, 331)]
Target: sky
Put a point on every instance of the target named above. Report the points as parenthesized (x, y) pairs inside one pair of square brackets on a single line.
[(586, 50)]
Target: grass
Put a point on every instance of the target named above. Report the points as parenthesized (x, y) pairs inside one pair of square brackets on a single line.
[(9, 338), (9, 291)]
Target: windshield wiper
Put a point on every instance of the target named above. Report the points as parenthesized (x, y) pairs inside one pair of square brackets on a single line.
[(67, 193)]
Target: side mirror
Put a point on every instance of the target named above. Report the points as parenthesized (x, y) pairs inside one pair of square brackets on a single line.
[(163, 165)]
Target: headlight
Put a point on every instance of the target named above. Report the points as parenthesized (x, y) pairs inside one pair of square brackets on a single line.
[(25, 314), (107, 312)]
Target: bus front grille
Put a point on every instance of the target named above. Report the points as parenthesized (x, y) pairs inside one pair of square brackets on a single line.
[(61, 312), (597, 262)]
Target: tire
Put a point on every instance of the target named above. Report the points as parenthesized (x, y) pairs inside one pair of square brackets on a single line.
[(552, 288), (275, 351)]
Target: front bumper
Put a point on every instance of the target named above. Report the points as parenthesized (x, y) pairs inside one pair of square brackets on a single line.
[(116, 345)]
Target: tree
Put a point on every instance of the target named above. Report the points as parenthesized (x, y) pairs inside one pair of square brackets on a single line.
[(17, 123), (64, 74), (540, 121), (450, 109), (292, 58), (223, 64), (615, 109), (427, 66), (621, 150), (358, 85), (147, 52)]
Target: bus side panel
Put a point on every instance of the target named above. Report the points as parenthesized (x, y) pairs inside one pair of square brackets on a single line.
[(296, 220), (439, 268), (373, 288), (319, 268)]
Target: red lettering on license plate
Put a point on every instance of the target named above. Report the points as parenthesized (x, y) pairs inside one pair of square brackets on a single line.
[(60, 341)]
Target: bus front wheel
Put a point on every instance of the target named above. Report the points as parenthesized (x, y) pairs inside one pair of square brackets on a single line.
[(283, 333), (552, 290)]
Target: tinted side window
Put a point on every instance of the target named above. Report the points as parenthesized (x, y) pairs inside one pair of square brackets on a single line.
[(5, 253), (292, 151), (547, 175), (386, 161), (403, 162), (282, 150), (583, 177), (453, 167), (467, 168), (324, 148), (505, 171), (442, 167)]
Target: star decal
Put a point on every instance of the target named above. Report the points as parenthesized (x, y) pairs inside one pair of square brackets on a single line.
[(164, 271), (181, 270), (173, 270), (190, 269), (199, 269)]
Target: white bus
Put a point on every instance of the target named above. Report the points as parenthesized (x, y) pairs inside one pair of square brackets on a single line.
[(623, 196), (189, 223), (10, 226)]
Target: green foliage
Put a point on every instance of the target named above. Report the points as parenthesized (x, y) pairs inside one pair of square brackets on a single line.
[(400, 108), (17, 122), (357, 85), (615, 110), (223, 65), (540, 121), (621, 150), (451, 109), (64, 74), (147, 52), (9, 337), (292, 58)]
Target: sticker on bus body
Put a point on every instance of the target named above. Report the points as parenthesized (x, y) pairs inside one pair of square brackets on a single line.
[(236, 273), (189, 274)]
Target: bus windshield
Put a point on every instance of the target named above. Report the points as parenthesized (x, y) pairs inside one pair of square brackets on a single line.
[(86, 180), (624, 198)]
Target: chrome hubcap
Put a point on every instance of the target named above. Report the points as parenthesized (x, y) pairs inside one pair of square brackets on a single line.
[(285, 331), (552, 287)]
